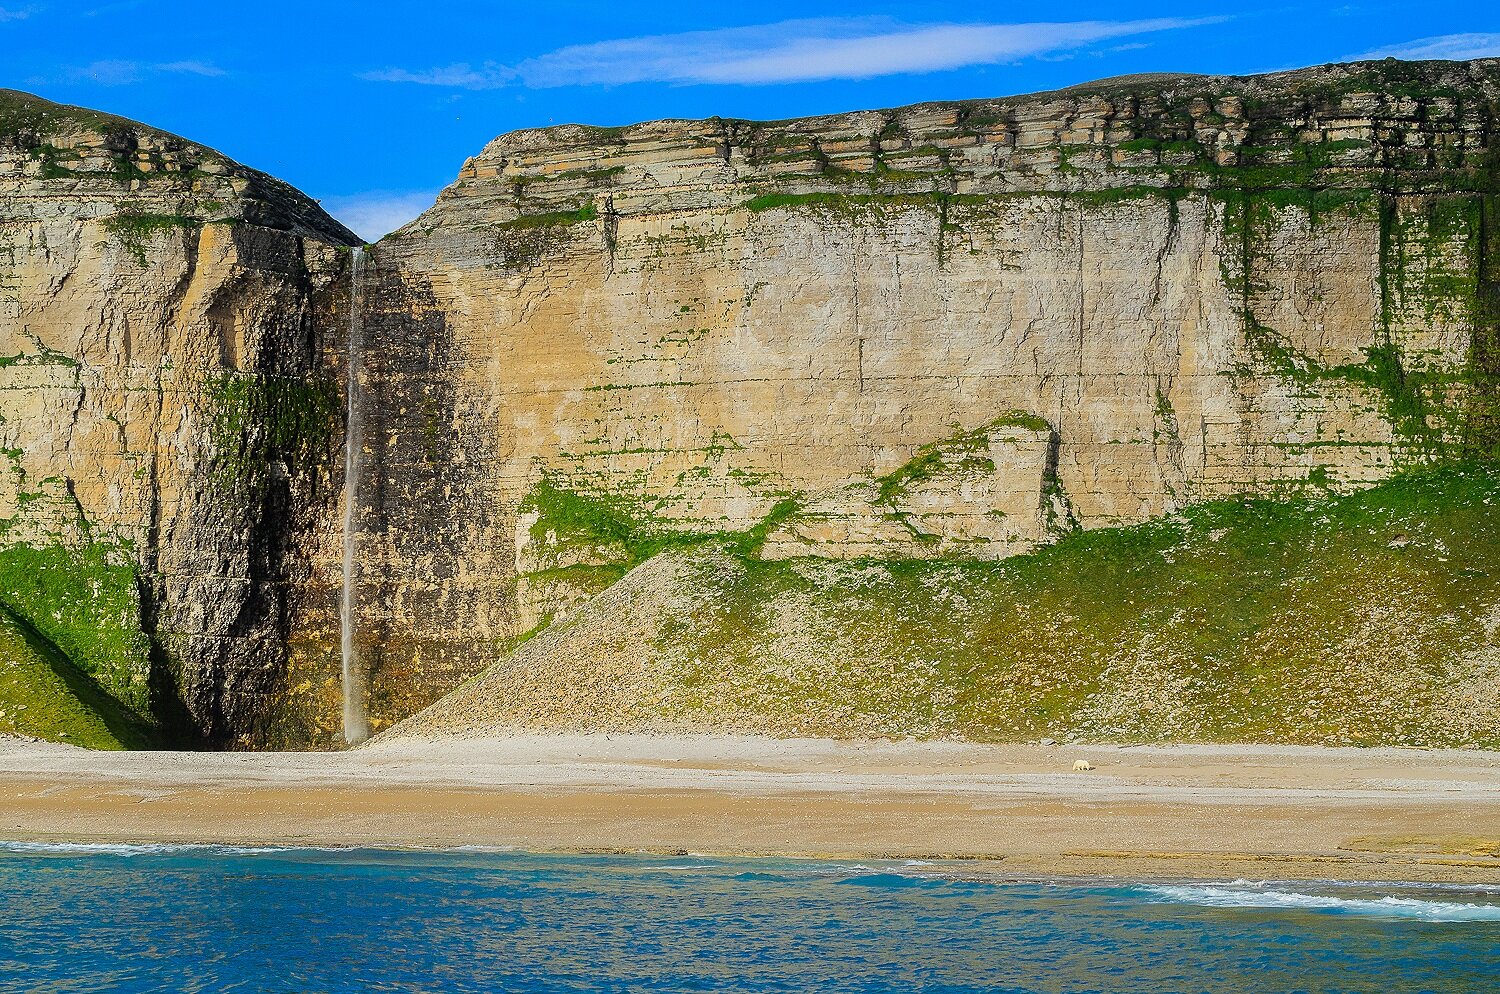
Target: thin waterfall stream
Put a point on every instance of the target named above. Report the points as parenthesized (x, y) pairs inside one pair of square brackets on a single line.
[(356, 721)]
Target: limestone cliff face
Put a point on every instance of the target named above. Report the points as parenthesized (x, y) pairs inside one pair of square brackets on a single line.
[(950, 333), (167, 412), (945, 330)]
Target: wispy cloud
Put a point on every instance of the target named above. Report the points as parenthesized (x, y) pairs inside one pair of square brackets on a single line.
[(1457, 47), (789, 52), (192, 66), (487, 77), (14, 14), (122, 72), (376, 213)]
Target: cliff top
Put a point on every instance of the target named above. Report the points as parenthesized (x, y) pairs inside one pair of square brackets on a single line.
[(48, 148), (1419, 126), (1324, 86)]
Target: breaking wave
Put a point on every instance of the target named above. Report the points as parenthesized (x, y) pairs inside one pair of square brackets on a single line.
[(1243, 894), (144, 848)]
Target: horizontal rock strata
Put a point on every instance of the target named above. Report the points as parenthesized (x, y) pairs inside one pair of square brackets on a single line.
[(949, 330), (950, 333)]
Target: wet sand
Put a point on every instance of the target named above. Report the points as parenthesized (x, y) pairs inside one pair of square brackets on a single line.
[(1209, 812)]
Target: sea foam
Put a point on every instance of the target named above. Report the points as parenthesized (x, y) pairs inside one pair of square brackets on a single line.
[(1242, 894), (144, 848)]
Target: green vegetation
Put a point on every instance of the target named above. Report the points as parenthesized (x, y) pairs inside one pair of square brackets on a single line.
[(582, 176), (1431, 273), (1403, 392), (86, 605), (26, 117), (44, 696), (257, 420), (526, 240), (588, 212), (1482, 420), (622, 534), (843, 203), (965, 451), (578, 518), (136, 230), (1364, 619), (43, 357)]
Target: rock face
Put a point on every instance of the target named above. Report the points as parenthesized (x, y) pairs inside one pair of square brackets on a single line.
[(951, 330), (167, 412)]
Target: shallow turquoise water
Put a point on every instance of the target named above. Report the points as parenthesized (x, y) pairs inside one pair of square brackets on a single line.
[(218, 919)]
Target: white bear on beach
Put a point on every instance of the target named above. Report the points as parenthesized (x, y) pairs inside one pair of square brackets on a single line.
[(1082, 766)]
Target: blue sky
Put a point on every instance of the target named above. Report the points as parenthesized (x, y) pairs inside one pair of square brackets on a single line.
[(373, 106)]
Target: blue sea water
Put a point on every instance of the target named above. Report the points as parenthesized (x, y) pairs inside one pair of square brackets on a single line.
[(188, 919)]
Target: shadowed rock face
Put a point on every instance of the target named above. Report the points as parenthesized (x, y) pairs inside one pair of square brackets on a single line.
[(167, 409), (949, 330)]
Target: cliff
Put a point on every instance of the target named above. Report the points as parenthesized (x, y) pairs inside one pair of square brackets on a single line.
[(166, 417), (950, 331), (834, 396)]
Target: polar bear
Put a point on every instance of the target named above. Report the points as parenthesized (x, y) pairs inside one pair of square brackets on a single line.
[(1082, 766)]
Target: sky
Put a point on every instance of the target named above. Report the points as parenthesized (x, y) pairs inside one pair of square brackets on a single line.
[(372, 107)]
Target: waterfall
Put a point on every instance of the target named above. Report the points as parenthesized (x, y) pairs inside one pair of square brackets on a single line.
[(356, 722)]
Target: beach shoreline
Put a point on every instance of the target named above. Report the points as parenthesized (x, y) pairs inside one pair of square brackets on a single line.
[(1018, 811)]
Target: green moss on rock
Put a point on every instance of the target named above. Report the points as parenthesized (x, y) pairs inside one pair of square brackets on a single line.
[(86, 603), (137, 229), (962, 451), (43, 695), (258, 420)]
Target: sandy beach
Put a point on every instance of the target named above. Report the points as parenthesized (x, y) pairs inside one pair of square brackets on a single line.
[(1257, 812)]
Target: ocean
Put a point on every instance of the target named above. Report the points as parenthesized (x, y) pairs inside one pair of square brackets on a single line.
[(107, 918)]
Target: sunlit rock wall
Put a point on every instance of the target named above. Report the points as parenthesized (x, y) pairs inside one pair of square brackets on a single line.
[(1170, 289)]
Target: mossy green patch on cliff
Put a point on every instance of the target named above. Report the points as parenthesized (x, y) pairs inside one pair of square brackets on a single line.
[(85, 602), (43, 357), (964, 451), (259, 420), (619, 530), (772, 201), (43, 695), (1429, 280), (608, 535), (1404, 392), (1368, 619), (580, 518), (1481, 437), (548, 219), (526, 240), (584, 176), (137, 229)]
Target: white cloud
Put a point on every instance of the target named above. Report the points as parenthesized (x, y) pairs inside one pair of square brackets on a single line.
[(460, 74), (1456, 47), (376, 213), (106, 72), (121, 72), (11, 14), (192, 66), (790, 52)]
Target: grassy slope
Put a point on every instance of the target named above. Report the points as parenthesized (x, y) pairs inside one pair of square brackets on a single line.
[(45, 696), (1254, 620)]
